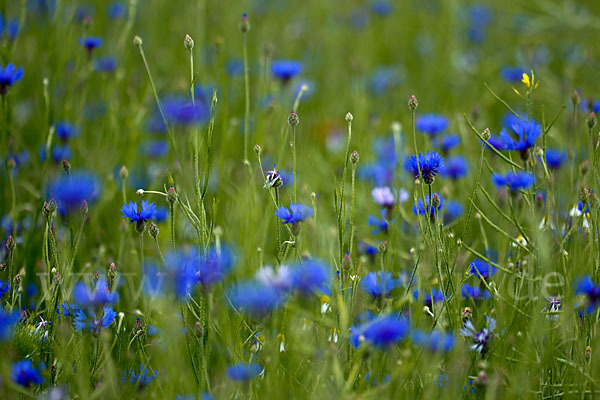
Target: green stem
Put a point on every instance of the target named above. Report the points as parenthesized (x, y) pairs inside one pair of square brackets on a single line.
[(172, 219), (247, 95), (294, 159), (158, 102)]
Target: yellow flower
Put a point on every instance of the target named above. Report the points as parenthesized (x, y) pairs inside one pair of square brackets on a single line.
[(525, 80), (530, 82)]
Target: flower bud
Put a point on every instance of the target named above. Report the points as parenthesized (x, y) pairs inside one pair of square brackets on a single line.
[(467, 313), (347, 262), (124, 172), (349, 117), (293, 119), (153, 229), (486, 134), (591, 120), (84, 207), (140, 192), (588, 353), (11, 245), (413, 103), (244, 25), (435, 201), (354, 157), (171, 195), (383, 247), (575, 98), (539, 152), (188, 42), (257, 149), (137, 41), (140, 226), (66, 166)]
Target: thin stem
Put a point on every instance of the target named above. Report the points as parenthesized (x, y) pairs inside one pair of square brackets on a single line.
[(352, 209), (294, 159), (247, 95), (158, 103), (141, 250), (172, 219)]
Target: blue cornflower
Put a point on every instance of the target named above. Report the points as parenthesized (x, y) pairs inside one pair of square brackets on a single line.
[(473, 292), (285, 69), (431, 124), (585, 286), (481, 339), (100, 295), (3, 288), (60, 153), (447, 142), (188, 268), (453, 210), (381, 331), (90, 43), (526, 131), (430, 164), (497, 142), (255, 299), (433, 297), (141, 379), (383, 79), (234, 67), (380, 224), (65, 130), (116, 10), (512, 74), (8, 319), (590, 105), (180, 111), (9, 75), (243, 372), (93, 323), (161, 214), (146, 212), (67, 310), (295, 214), (70, 191), (24, 374), (555, 158), (154, 148), (420, 209), (309, 276), (482, 268), (379, 284), (514, 180), (12, 29), (434, 341), (368, 249), (105, 64), (479, 17), (215, 266), (455, 167), (382, 7)]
